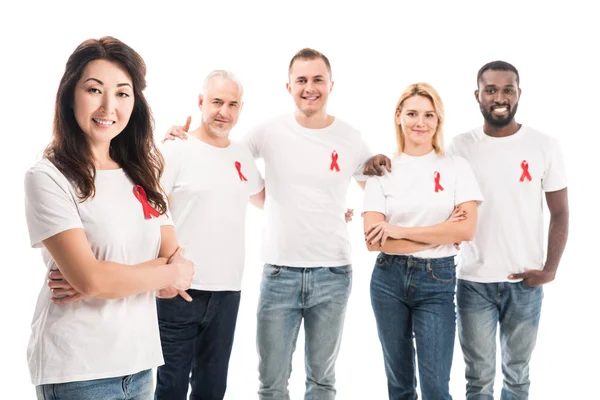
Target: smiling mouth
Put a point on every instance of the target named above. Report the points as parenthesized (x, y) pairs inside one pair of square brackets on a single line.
[(500, 109), (103, 122), (310, 98)]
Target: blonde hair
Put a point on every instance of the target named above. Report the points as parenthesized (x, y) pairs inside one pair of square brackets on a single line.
[(427, 91)]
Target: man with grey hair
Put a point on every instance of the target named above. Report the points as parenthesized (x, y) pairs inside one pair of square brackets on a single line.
[(209, 180)]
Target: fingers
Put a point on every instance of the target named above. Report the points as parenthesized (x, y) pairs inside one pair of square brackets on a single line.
[(178, 253), (517, 276), (388, 164), (188, 122), (58, 284), (68, 299), (168, 293), (177, 132), (457, 246), (373, 232), (185, 295), (55, 274), (384, 237)]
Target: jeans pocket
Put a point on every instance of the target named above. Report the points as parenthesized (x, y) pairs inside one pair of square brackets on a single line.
[(272, 270), (342, 271), (380, 260), (444, 274)]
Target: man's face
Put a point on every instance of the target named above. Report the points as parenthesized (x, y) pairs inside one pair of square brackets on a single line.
[(498, 96), (310, 84), (221, 105)]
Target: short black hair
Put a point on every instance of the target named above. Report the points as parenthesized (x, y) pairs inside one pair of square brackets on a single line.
[(497, 66)]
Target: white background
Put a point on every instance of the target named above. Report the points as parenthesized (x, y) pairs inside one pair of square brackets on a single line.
[(376, 50)]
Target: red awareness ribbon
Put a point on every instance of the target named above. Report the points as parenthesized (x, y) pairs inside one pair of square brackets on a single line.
[(525, 174), (436, 178), (334, 164), (238, 166), (140, 194)]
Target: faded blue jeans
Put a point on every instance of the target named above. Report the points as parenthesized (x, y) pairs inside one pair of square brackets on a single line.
[(481, 308), (131, 387), (410, 296), (288, 295)]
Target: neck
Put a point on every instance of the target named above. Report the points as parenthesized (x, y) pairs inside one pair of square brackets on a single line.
[(416, 150), (102, 159), (501, 131), (205, 135), (318, 120)]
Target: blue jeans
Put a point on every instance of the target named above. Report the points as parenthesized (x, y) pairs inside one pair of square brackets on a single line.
[(415, 296), (287, 295), (481, 307), (196, 336), (131, 387)]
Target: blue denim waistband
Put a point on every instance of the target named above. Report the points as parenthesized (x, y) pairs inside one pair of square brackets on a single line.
[(302, 269), (416, 262)]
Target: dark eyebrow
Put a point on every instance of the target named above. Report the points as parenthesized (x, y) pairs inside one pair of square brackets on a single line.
[(102, 83)]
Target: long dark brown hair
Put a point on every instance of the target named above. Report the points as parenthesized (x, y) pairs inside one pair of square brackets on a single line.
[(133, 149)]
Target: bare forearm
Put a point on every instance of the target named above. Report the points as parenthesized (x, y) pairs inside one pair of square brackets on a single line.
[(440, 234), (114, 280), (557, 240), (400, 246)]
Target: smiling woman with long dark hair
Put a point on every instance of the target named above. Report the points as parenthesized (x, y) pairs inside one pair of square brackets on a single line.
[(95, 207)]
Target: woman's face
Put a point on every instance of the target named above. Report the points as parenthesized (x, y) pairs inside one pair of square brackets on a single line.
[(418, 120), (103, 101)]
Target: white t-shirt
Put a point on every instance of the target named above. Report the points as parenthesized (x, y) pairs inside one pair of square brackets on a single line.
[(422, 191), (208, 189), (92, 338), (513, 172), (307, 172)]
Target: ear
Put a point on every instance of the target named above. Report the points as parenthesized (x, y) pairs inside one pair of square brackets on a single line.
[(288, 87), (331, 86), (397, 117), (477, 95), (200, 101), (241, 107), (519, 93)]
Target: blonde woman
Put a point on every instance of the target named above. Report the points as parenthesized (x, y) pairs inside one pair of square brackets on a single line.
[(406, 219)]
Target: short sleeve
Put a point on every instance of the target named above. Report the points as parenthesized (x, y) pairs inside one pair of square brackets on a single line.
[(467, 188), (363, 156), (374, 200), (253, 140), (172, 154), (50, 207), (555, 176), (256, 179)]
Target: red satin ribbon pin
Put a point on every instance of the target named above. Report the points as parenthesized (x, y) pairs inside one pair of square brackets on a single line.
[(525, 174), (436, 178), (140, 194), (238, 166), (334, 164)]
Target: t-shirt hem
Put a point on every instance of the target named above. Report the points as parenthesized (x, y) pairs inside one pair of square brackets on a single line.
[(479, 279), (309, 264), (217, 288), (88, 377), (554, 188)]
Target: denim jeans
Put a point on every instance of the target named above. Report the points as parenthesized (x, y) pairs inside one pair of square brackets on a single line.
[(196, 336), (287, 295), (415, 296), (131, 387), (481, 307)]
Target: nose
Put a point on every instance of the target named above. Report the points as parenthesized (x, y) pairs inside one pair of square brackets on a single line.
[(421, 120), (500, 97), (108, 104)]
